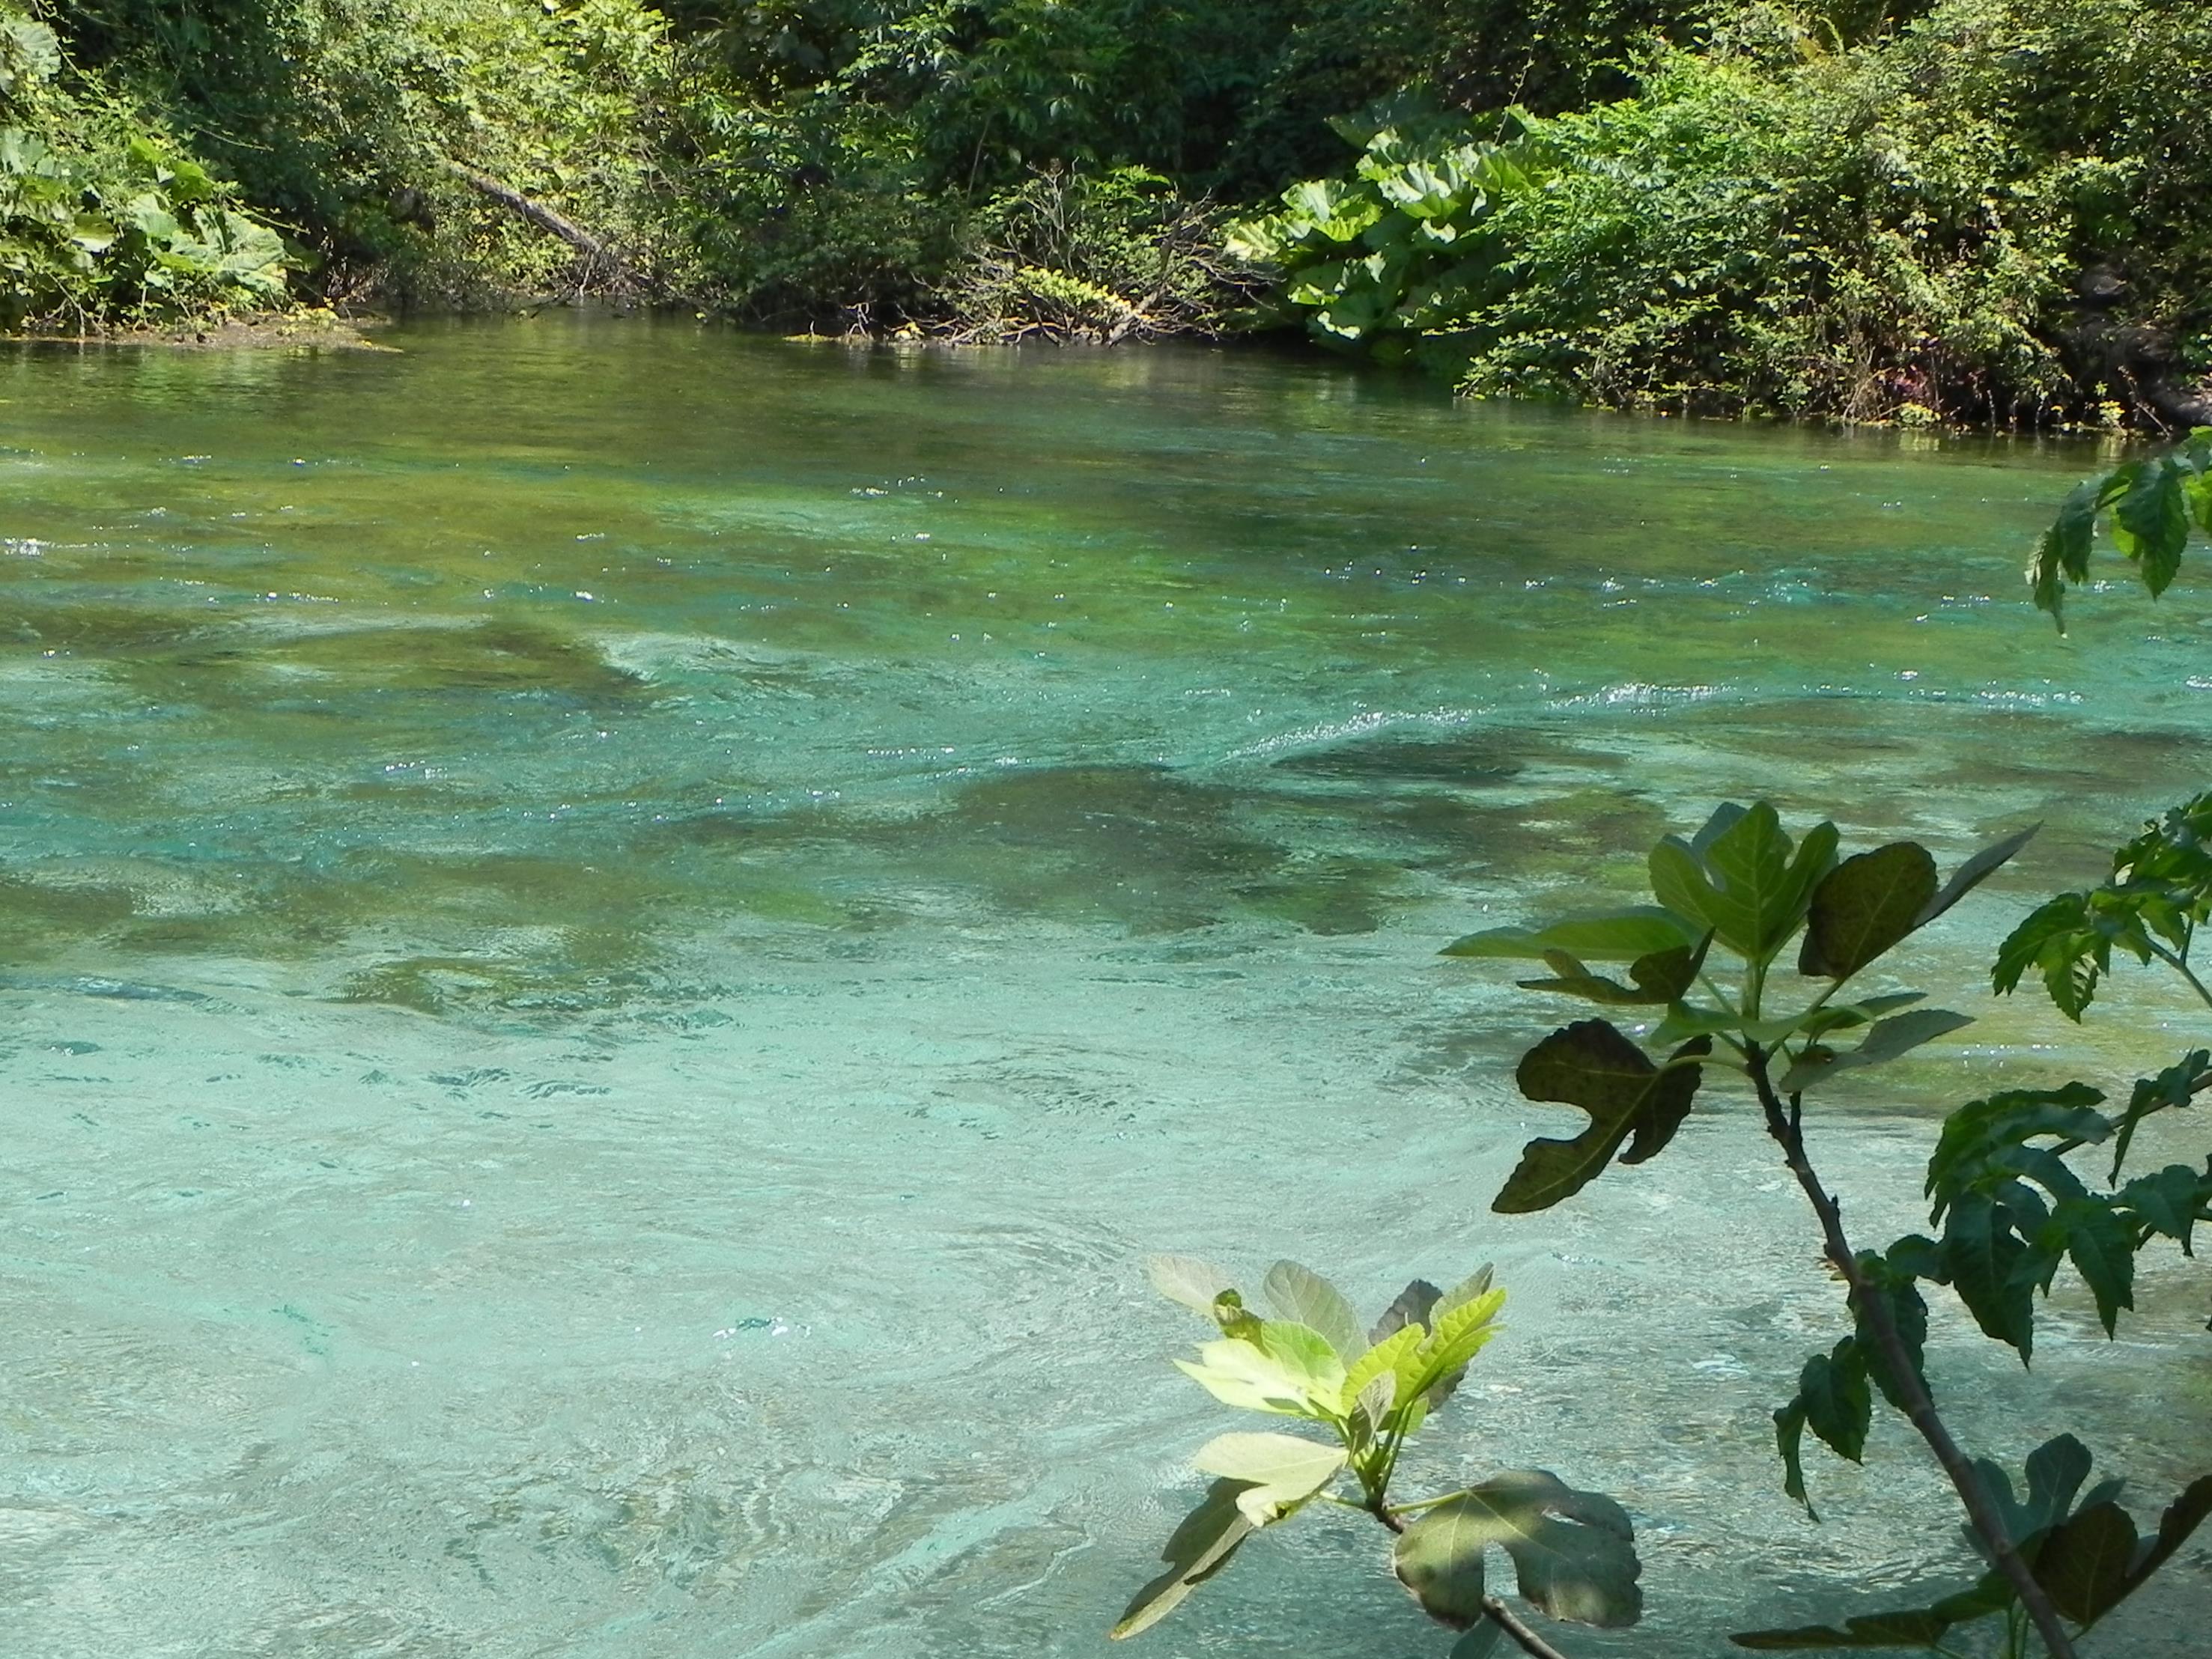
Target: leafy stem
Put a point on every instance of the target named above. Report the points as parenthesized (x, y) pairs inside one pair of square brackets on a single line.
[(1872, 1310)]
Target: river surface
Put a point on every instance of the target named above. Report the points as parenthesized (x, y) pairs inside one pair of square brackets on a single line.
[(617, 940)]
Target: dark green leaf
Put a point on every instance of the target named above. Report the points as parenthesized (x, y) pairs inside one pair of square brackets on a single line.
[(2177, 1086), (1667, 975), (1919, 1629), (2058, 941), (1865, 905), (2169, 1202), (1610, 936), (1197, 1549), (1885, 1040), (2055, 1470), (1591, 1066), (1790, 1440), (2182, 1518), (1574, 1551), (1984, 1252), (1410, 1307), (1670, 1102), (2150, 522), (1839, 1404), (2062, 555), (1975, 1138), (2084, 1563), (2102, 1248), (1440, 1558), (1974, 872), (1908, 1313)]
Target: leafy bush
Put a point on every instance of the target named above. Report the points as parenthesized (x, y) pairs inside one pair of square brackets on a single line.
[(1899, 229), (340, 116), (1396, 260), (104, 219)]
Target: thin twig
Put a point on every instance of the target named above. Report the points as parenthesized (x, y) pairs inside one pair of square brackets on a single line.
[(1874, 1312), (1521, 1637)]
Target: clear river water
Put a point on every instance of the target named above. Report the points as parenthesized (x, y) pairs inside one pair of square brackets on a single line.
[(617, 939)]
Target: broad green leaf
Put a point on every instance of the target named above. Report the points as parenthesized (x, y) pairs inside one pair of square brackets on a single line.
[(1185, 1279), (1279, 1472), (1316, 284), (2084, 1563), (1457, 1336), (1665, 975), (1678, 881), (1725, 817), (2055, 1470), (1607, 936), (2150, 522), (1478, 1643), (1574, 1551), (1591, 1066), (1440, 1558), (1757, 892), (1473, 1287), (1332, 212), (1885, 1040), (1304, 1297), (1195, 1552), (1749, 869), (1974, 872), (1865, 905), (2182, 1518), (1839, 1403), (1289, 1370), (1393, 1355)]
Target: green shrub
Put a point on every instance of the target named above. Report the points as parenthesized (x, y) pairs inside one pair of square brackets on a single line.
[(105, 220), (1866, 233), (339, 118)]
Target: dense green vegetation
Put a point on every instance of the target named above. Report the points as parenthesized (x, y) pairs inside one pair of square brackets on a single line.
[(1978, 210)]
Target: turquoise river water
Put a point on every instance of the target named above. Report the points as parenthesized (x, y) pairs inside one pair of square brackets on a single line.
[(617, 940)]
